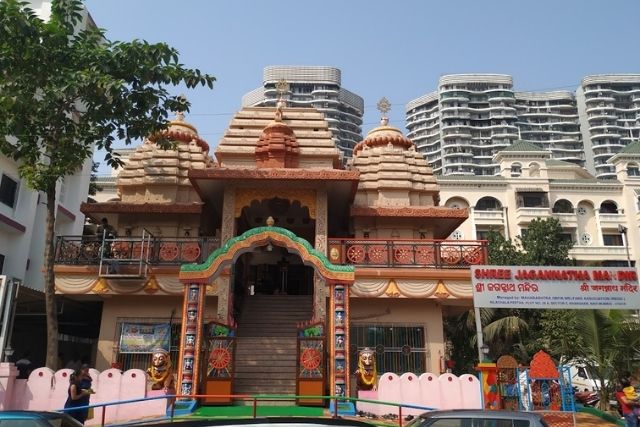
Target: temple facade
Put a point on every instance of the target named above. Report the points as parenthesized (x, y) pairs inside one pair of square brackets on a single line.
[(265, 267)]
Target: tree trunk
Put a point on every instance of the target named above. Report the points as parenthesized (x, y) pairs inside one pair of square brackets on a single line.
[(49, 280)]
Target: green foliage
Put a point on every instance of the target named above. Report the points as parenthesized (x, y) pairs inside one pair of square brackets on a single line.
[(93, 184), (65, 91), (541, 244)]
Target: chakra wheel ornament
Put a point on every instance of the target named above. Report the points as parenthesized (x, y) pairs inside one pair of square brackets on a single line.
[(219, 358), (310, 359)]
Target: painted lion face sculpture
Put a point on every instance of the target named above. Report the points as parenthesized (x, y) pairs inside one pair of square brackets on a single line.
[(366, 374), (161, 371)]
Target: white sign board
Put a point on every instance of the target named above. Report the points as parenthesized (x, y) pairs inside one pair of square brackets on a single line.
[(555, 287)]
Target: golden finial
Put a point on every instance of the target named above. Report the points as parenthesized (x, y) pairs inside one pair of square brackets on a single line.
[(384, 106), (282, 87)]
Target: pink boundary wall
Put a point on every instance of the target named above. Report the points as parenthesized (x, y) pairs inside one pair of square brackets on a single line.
[(444, 391), (46, 390)]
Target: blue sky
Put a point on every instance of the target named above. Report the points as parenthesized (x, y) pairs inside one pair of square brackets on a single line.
[(394, 49)]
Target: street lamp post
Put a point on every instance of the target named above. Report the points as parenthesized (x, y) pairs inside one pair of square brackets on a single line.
[(623, 232)]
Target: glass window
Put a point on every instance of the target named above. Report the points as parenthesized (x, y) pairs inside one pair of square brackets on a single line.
[(8, 191), (451, 422)]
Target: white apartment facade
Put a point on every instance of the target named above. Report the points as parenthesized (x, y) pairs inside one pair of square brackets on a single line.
[(471, 117), (600, 216), (319, 87), (609, 106)]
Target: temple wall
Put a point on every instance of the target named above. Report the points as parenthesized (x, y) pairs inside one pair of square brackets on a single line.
[(427, 313), (139, 307)]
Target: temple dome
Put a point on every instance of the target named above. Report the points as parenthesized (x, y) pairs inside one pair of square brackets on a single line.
[(182, 132), (155, 175), (384, 135)]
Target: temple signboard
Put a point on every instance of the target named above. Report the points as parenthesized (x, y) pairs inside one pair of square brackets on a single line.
[(555, 287)]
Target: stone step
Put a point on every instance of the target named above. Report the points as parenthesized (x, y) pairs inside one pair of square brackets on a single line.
[(253, 381), (272, 376)]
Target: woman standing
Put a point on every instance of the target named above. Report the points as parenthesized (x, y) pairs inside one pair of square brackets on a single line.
[(79, 394)]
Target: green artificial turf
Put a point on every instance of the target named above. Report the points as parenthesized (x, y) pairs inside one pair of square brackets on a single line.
[(262, 411)]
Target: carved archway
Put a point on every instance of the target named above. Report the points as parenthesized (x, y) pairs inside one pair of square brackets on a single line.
[(195, 277)]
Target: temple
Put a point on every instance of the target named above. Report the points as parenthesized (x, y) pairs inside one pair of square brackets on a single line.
[(266, 266)]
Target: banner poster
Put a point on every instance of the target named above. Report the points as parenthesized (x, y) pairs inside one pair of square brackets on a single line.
[(555, 287), (144, 337)]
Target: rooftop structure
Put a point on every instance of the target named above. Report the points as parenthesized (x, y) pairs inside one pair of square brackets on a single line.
[(318, 87)]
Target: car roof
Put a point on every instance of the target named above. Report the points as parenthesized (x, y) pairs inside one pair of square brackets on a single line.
[(471, 413), (29, 415)]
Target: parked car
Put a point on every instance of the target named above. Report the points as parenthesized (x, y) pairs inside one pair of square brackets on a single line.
[(36, 419), (258, 422), (478, 418)]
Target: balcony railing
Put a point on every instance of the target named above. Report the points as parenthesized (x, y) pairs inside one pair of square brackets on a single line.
[(90, 250), (408, 253)]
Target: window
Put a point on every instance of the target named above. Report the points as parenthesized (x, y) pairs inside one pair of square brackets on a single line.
[(516, 170), (532, 200), (399, 348), (563, 206), (488, 204), (608, 207), (8, 191), (633, 169), (612, 240)]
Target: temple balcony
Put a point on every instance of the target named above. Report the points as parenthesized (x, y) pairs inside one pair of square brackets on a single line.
[(437, 254), (132, 255)]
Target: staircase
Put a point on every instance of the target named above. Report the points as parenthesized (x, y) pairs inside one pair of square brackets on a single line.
[(266, 343)]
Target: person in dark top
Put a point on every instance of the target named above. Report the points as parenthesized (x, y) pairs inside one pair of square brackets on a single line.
[(79, 394), (24, 366)]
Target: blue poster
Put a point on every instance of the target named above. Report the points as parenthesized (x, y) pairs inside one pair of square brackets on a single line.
[(145, 337)]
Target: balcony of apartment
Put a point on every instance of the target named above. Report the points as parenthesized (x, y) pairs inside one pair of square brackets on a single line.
[(132, 256), (438, 254), (566, 219), (494, 216), (598, 253), (612, 219)]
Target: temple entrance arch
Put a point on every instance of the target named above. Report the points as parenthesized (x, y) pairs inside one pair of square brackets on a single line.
[(196, 277)]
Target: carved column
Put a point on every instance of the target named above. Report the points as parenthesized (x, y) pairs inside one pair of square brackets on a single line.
[(228, 215), (339, 340), (191, 338), (228, 231), (319, 285)]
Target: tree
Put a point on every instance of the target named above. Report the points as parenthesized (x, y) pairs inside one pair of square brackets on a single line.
[(520, 331), (65, 91), (93, 181)]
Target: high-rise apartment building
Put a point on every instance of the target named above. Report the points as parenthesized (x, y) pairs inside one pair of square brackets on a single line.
[(463, 124), (318, 87), (550, 121), (609, 108)]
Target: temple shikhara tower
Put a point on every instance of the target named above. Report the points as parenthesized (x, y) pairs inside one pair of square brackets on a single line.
[(267, 266)]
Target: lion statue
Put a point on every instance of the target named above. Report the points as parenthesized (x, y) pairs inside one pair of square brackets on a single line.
[(366, 374), (161, 372)]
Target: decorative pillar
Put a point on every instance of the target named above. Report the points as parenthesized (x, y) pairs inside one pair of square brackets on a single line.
[(319, 286), (339, 340), (191, 338), (227, 232), (599, 238)]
